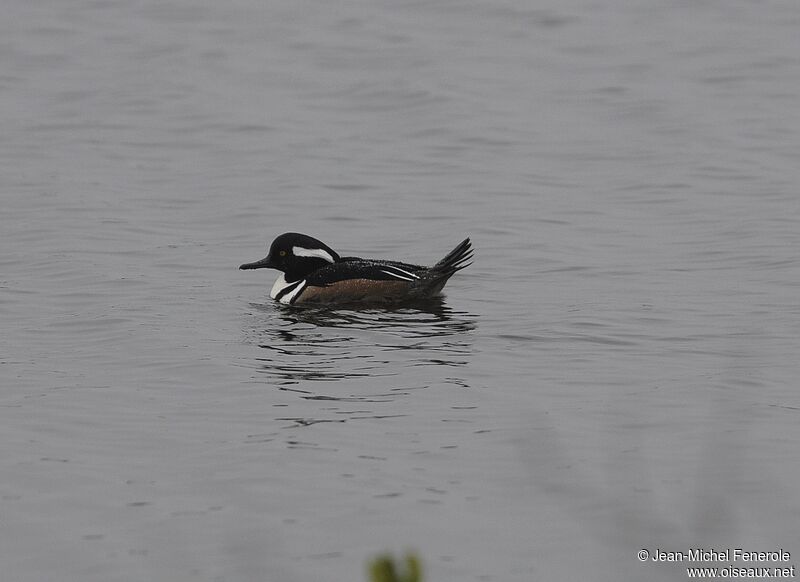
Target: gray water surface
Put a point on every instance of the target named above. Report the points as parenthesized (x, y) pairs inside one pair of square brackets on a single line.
[(618, 370)]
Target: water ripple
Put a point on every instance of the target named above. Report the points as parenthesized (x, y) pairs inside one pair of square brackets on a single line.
[(326, 344)]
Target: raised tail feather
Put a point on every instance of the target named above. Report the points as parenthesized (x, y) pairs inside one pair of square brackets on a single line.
[(457, 259)]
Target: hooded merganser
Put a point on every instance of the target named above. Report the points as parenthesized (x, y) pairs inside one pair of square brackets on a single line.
[(312, 272)]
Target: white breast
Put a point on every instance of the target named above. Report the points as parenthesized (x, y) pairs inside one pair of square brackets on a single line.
[(281, 284)]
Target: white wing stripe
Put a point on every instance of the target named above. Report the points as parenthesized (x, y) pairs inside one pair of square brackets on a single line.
[(398, 276), (403, 271)]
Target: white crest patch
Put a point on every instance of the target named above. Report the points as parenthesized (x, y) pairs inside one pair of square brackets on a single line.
[(318, 253)]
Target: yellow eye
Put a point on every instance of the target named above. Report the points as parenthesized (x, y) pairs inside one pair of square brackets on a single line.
[(282, 253)]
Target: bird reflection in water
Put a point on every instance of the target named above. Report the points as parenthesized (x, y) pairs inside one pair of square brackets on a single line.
[(333, 344)]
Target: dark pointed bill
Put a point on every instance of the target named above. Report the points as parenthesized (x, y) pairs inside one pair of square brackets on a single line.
[(264, 263)]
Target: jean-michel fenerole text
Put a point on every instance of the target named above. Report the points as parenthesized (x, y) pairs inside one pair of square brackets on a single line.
[(722, 555)]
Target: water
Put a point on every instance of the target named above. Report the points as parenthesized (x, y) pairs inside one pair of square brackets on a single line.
[(616, 371)]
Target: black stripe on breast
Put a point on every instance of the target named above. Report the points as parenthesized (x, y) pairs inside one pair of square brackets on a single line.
[(288, 289), (297, 295)]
